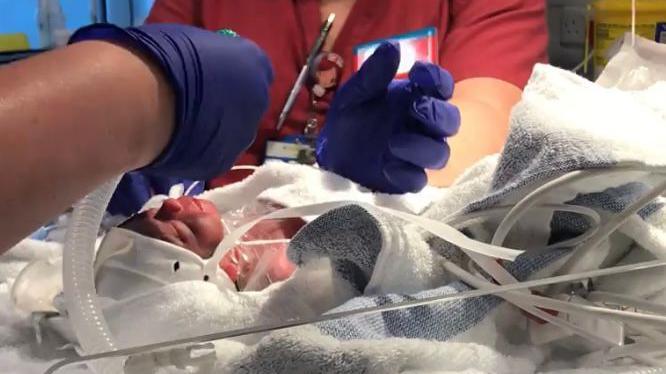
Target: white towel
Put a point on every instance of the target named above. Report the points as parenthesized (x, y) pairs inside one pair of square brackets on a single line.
[(293, 185)]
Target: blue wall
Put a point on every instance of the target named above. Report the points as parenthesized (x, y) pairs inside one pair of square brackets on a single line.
[(118, 11), (20, 16)]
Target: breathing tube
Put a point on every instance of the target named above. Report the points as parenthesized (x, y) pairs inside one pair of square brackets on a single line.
[(83, 306)]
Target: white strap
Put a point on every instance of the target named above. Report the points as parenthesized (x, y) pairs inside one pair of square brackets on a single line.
[(440, 229)]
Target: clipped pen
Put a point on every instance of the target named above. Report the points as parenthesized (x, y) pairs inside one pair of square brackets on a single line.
[(302, 76)]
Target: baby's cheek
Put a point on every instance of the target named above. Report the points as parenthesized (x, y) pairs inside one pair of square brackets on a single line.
[(281, 268)]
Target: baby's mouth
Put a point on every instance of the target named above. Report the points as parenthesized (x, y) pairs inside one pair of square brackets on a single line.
[(235, 264)]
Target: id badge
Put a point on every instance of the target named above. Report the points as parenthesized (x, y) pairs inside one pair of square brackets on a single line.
[(419, 45), (297, 149)]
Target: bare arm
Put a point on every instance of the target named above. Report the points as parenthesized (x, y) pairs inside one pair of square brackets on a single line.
[(70, 120), (485, 105), (490, 49)]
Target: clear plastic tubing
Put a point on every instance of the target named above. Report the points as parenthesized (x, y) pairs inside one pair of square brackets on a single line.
[(83, 306)]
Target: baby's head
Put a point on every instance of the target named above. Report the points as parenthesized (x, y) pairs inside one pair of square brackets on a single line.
[(196, 225), (188, 222)]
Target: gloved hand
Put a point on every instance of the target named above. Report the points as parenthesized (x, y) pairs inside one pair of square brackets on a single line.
[(221, 92), (384, 133)]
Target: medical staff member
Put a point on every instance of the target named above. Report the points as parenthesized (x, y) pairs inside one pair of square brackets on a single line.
[(376, 136), (173, 101)]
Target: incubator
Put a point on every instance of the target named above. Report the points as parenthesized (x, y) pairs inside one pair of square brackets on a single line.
[(483, 255), (474, 250)]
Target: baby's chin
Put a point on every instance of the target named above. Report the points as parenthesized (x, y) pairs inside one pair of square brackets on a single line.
[(203, 253)]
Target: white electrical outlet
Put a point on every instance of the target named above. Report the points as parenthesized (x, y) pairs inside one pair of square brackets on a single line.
[(573, 30)]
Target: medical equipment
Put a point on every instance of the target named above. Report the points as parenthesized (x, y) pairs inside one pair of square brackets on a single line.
[(612, 18), (303, 75), (452, 235)]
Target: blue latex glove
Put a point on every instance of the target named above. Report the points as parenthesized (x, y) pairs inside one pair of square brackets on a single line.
[(136, 188), (221, 87), (384, 133)]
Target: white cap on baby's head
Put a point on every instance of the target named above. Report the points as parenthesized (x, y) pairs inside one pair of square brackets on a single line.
[(129, 264)]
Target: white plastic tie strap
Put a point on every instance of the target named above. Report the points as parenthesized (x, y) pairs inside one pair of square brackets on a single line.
[(439, 229)]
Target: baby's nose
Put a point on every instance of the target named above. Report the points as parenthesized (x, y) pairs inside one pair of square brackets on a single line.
[(170, 207)]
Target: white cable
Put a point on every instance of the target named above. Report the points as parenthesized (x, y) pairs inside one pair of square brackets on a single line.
[(532, 198), (265, 242), (584, 62), (633, 23), (558, 305), (591, 214), (636, 351), (502, 276), (616, 221), (623, 300), (649, 332), (191, 187), (518, 298), (622, 315), (609, 227), (639, 350), (582, 210)]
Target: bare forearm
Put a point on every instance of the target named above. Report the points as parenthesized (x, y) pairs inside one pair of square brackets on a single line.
[(485, 106), (70, 120)]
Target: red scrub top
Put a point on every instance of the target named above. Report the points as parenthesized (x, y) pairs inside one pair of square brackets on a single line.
[(501, 39)]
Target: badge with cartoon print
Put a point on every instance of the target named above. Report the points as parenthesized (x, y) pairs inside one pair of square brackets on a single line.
[(325, 73)]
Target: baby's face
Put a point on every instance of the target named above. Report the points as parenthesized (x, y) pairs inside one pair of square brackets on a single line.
[(246, 264), (191, 223), (196, 225)]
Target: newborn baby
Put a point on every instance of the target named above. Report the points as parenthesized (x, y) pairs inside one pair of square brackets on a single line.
[(172, 242)]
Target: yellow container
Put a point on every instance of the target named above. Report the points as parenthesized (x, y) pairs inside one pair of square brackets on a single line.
[(13, 42), (612, 19)]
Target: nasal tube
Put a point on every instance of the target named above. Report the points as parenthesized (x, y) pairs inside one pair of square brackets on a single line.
[(83, 306)]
